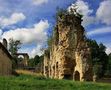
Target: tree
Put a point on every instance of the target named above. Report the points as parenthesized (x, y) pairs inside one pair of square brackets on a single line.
[(30, 62), (99, 57), (36, 60), (103, 57), (109, 65), (14, 46), (41, 58), (13, 49), (97, 69)]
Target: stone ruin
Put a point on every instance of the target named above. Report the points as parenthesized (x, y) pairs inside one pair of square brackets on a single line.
[(24, 62), (69, 56)]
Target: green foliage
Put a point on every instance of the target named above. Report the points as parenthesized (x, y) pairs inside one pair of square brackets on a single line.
[(30, 62), (41, 58), (109, 65), (28, 82), (60, 13), (99, 56), (13, 49), (14, 46), (35, 61), (97, 69)]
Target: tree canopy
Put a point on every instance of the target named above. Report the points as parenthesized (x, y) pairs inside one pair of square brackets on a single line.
[(14, 45), (35, 61), (99, 56)]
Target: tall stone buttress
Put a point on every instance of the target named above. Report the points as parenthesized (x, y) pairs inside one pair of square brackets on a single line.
[(70, 56)]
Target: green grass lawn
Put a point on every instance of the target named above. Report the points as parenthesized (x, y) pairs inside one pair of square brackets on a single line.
[(28, 82)]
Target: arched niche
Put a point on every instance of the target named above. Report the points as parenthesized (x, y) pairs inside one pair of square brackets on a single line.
[(77, 76)]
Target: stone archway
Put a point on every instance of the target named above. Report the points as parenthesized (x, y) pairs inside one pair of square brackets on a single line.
[(24, 62), (77, 76)]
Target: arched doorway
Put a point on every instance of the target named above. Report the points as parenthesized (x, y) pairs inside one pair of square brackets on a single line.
[(77, 76), (57, 70), (53, 71)]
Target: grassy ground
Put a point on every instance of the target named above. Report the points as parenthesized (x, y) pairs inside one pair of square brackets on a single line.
[(28, 82)]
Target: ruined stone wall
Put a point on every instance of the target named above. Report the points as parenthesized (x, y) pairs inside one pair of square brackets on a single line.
[(69, 55), (83, 63), (5, 64), (46, 64), (24, 62)]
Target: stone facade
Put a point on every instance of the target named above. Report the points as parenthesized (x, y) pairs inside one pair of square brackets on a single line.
[(5, 60), (69, 56)]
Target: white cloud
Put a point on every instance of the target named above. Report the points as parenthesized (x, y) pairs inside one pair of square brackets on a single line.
[(32, 51), (36, 51), (83, 8), (99, 31), (1, 34), (37, 34), (13, 19), (87, 20), (104, 12), (39, 2), (28, 35), (108, 50)]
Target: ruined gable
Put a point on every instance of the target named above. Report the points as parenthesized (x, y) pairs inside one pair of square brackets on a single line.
[(70, 56), (5, 61)]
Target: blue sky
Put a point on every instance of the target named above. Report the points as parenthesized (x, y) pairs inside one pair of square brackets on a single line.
[(31, 21)]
